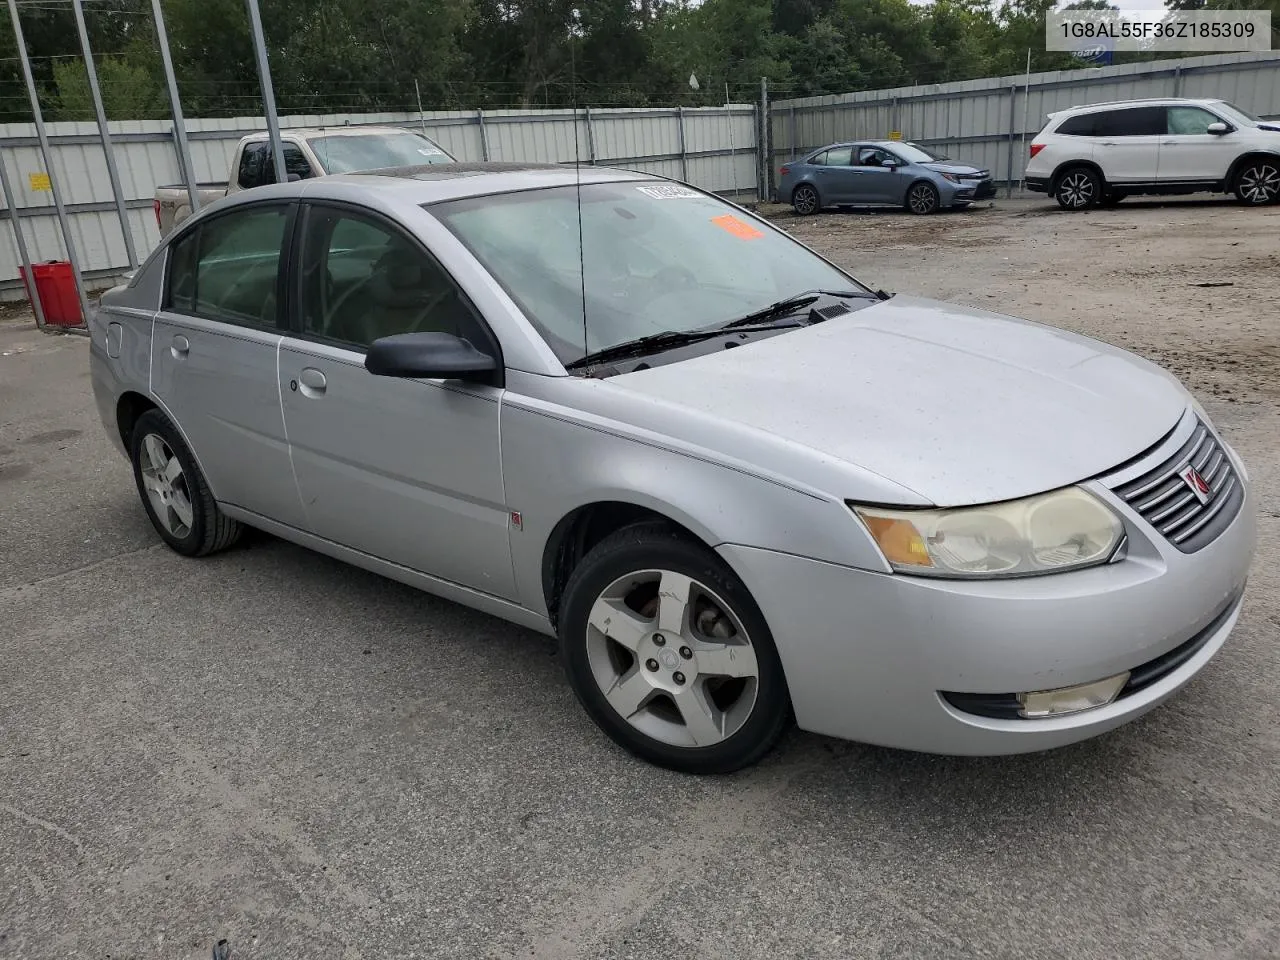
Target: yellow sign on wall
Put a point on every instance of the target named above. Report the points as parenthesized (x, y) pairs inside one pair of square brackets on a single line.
[(895, 134), (39, 181)]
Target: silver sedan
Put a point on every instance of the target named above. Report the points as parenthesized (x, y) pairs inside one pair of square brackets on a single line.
[(738, 484)]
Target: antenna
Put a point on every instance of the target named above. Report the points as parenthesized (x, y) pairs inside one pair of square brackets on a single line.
[(577, 183)]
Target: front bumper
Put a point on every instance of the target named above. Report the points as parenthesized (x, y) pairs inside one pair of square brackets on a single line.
[(868, 655)]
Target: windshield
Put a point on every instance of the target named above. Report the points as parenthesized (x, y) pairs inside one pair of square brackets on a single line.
[(654, 257), (1235, 113), (913, 153), (347, 152)]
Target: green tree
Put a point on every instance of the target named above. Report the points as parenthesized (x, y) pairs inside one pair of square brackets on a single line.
[(129, 92)]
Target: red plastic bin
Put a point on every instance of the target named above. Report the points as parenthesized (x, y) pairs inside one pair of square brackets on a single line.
[(57, 288)]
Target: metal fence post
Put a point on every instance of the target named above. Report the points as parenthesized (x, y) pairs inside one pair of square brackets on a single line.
[(10, 201), (268, 92), (108, 150), (47, 152), (793, 132), (591, 138), (684, 152), (1177, 80), (175, 104), (766, 144), (1013, 99), (484, 136)]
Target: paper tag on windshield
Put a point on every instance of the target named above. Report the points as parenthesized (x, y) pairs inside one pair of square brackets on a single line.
[(670, 192), (739, 228), (430, 151)]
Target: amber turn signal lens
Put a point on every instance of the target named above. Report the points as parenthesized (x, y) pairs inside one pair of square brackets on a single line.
[(899, 540)]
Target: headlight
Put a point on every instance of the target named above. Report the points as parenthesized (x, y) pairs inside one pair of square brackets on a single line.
[(1047, 533), (952, 177)]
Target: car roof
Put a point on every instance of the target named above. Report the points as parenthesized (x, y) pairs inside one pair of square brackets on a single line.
[(436, 182), (344, 130), (1146, 102)]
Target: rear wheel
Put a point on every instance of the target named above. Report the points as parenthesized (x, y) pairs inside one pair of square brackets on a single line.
[(1258, 182), (922, 198), (174, 492), (669, 654), (1078, 189), (805, 200)]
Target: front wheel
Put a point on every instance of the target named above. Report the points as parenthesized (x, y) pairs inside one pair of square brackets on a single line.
[(1078, 189), (669, 654), (1258, 183), (922, 198), (805, 200)]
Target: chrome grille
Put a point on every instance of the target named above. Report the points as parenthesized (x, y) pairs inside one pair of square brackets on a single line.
[(1166, 501)]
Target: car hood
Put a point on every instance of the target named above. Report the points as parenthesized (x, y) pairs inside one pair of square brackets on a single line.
[(956, 404), (948, 166)]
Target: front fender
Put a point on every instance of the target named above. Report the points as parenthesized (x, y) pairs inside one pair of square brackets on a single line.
[(555, 463)]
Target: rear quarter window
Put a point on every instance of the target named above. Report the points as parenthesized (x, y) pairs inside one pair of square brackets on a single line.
[(1078, 126), (1130, 122)]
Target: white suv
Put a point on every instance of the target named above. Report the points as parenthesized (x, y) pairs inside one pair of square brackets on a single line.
[(1103, 152)]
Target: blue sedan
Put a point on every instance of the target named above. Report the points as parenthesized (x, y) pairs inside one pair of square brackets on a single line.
[(881, 172)]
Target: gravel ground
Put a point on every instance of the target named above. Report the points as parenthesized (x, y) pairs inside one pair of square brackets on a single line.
[(307, 760)]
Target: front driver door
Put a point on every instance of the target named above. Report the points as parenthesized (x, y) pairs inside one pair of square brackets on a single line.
[(404, 470), (1190, 153), (877, 183)]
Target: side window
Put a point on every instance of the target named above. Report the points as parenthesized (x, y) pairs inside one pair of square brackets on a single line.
[(363, 279), (295, 162), (1131, 122), (227, 268), (1077, 126), (840, 156), (820, 160), (252, 165), (872, 157), (1191, 120)]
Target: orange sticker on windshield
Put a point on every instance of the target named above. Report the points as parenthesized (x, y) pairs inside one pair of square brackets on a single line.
[(738, 228)]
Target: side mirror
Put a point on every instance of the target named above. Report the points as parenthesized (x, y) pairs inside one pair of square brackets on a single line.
[(889, 163), (294, 177), (1218, 129), (437, 355)]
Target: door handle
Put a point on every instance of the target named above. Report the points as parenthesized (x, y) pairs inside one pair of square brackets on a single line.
[(1108, 143), (1168, 143), (181, 347), (311, 382)]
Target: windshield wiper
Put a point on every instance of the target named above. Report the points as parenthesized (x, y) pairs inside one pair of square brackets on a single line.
[(802, 299), (657, 342)]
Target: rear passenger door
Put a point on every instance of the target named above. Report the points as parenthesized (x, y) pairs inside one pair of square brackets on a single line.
[(213, 354), (837, 180), (408, 471), (1127, 143)]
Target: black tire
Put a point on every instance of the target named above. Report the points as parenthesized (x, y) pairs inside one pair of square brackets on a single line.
[(1257, 182), (1111, 199), (657, 546), (922, 198), (805, 200), (209, 530), (1078, 188)]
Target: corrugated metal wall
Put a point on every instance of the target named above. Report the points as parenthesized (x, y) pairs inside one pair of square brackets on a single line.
[(712, 147), (986, 121)]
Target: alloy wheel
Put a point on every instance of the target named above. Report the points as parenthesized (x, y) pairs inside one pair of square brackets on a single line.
[(805, 200), (166, 486), (1260, 183), (672, 658), (1077, 189), (922, 199)]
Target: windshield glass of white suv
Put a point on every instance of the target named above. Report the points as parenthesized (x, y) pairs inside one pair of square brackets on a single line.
[(653, 257), (1235, 113), (343, 153)]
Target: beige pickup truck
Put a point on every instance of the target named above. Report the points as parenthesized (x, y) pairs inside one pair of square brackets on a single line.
[(307, 153)]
